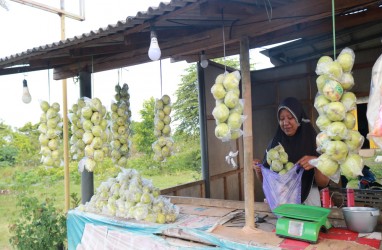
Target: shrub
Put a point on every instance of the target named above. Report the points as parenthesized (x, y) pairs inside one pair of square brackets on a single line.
[(8, 156), (38, 226)]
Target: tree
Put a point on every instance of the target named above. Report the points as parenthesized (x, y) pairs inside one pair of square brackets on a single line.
[(143, 132), (8, 153), (186, 108), (25, 139), (5, 134)]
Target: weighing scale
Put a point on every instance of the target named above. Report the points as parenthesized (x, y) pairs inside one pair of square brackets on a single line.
[(301, 222)]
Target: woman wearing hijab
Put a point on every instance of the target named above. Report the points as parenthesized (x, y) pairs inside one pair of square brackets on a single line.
[(298, 137)]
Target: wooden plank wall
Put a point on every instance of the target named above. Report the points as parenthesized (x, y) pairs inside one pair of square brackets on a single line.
[(270, 86), (226, 187)]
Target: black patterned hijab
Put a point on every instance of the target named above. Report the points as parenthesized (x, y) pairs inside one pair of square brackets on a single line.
[(302, 143)]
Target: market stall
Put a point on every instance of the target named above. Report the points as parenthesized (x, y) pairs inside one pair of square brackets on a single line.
[(207, 224), (243, 25)]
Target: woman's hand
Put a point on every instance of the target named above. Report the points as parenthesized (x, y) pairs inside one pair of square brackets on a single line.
[(321, 179), (304, 162), (257, 167)]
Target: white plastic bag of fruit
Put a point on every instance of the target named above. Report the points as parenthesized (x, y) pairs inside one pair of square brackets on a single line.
[(163, 146), (228, 110), (50, 129)]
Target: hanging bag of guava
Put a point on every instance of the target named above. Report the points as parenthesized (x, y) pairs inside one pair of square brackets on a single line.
[(228, 110), (120, 126), (50, 129), (89, 143), (338, 142), (163, 146)]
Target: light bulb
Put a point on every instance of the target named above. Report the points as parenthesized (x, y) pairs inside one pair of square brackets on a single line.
[(203, 60), (27, 98), (154, 50)]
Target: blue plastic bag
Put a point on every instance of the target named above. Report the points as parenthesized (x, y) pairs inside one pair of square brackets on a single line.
[(282, 188)]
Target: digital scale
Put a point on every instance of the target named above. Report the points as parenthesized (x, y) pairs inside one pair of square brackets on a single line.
[(301, 222)]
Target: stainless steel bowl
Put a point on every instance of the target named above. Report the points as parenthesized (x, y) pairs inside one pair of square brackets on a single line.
[(361, 219)]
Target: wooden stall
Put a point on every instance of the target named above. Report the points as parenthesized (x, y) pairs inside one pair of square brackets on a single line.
[(221, 28)]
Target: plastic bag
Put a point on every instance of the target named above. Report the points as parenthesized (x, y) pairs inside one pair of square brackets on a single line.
[(373, 112), (327, 166), (282, 189)]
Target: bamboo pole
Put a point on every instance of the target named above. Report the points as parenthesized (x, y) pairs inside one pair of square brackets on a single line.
[(65, 124), (249, 189)]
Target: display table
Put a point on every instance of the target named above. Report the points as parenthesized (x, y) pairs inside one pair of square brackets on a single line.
[(202, 224)]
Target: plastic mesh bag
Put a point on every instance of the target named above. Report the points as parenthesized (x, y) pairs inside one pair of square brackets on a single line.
[(282, 189)]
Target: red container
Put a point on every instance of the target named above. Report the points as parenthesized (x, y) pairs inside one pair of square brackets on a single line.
[(325, 198), (350, 197)]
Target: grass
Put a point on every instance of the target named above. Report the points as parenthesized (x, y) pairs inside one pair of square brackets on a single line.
[(376, 167), (44, 187), (7, 204)]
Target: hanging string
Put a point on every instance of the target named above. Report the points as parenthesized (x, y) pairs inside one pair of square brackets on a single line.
[(48, 86), (160, 68), (334, 29), (232, 154), (119, 76), (225, 66), (92, 78), (269, 15)]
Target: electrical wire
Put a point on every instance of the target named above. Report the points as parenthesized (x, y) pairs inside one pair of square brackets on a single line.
[(266, 9), (334, 29), (48, 86), (160, 73), (92, 78), (225, 66)]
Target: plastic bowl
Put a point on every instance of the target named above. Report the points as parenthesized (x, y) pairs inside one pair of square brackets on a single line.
[(361, 219)]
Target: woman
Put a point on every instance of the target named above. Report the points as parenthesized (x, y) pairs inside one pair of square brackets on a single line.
[(298, 137)]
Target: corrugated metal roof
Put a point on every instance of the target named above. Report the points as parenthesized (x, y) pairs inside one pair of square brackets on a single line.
[(141, 17), (187, 27)]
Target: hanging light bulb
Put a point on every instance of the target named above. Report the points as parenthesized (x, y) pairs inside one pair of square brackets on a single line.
[(203, 60), (26, 95), (154, 50)]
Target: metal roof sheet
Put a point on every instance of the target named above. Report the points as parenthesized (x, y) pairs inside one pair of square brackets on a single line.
[(187, 27)]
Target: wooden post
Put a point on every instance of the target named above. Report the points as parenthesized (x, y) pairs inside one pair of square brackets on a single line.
[(65, 124), (203, 130), (249, 189)]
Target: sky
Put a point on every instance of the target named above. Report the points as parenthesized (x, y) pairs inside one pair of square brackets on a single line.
[(24, 27)]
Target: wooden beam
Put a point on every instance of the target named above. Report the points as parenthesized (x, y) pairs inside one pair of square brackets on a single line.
[(99, 50), (188, 46)]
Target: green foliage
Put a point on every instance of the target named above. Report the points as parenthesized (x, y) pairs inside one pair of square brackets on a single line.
[(186, 157), (145, 165), (24, 179), (74, 200), (39, 225), (188, 153), (186, 107), (232, 62), (25, 140), (8, 156), (105, 169), (143, 132), (5, 134)]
